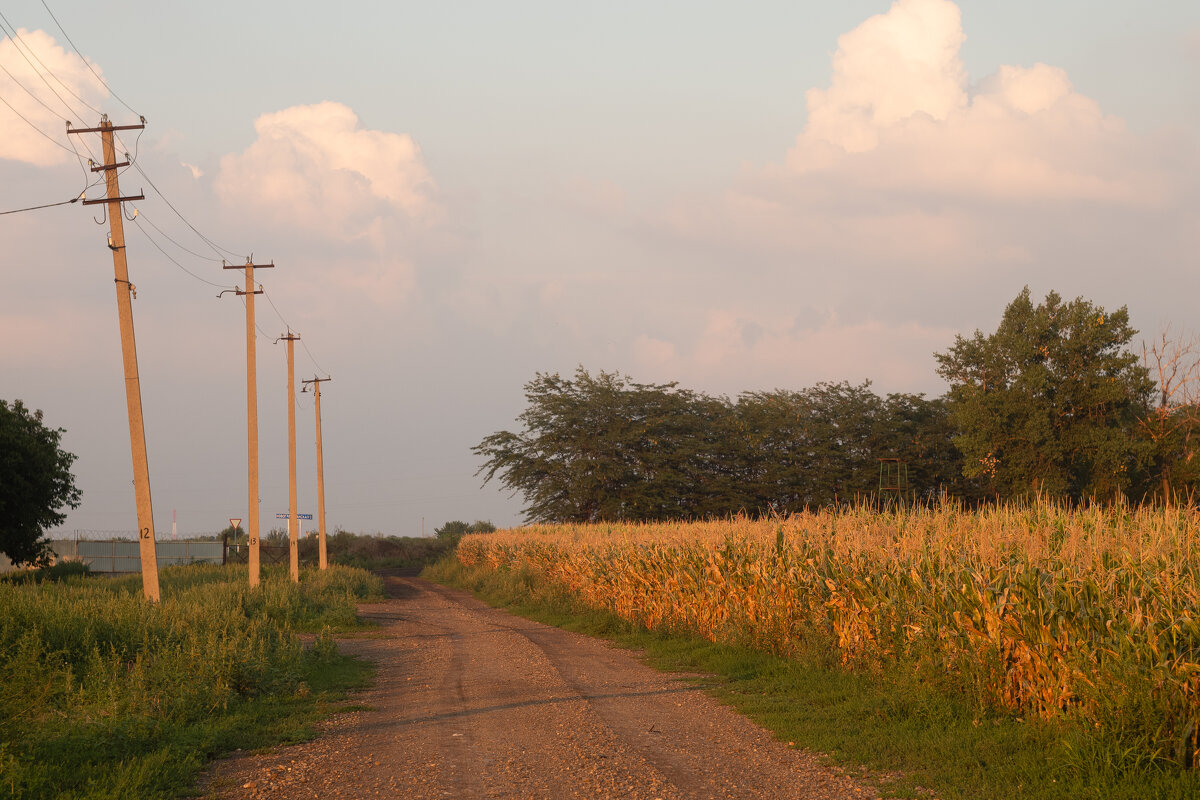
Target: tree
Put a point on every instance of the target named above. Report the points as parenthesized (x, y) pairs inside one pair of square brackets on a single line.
[(1048, 404), (605, 448), (1173, 424), (455, 529), (35, 483)]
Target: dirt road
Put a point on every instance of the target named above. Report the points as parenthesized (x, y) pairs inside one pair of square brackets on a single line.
[(472, 702)]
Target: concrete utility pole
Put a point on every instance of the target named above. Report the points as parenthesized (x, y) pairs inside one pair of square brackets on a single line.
[(324, 560), (293, 519), (251, 415), (133, 387)]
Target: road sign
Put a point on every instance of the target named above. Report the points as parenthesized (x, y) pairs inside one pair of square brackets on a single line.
[(298, 516), (233, 523)]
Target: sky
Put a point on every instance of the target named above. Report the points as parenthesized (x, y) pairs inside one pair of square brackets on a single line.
[(456, 197)]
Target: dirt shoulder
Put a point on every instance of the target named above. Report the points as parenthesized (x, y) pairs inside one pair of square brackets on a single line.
[(472, 702)]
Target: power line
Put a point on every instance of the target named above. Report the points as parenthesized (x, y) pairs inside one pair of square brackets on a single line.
[(49, 71), (48, 137), (220, 251), (173, 261), (15, 38), (27, 91), (167, 236), (85, 61), (47, 205), (311, 358)]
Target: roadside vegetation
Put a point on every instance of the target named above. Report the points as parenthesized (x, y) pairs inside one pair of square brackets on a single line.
[(1009, 651), (103, 695), (365, 551)]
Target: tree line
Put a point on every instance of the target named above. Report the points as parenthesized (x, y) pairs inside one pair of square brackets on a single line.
[(1054, 403)]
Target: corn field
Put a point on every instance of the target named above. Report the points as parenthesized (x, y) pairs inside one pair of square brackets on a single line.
[(1088, 615)]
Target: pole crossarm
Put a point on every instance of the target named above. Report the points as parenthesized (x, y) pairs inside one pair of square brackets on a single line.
[(104, 128), (247, 264), (114, 199), (101, 167)]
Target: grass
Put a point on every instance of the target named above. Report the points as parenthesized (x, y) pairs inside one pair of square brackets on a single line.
[(907, 732), (103, 695)]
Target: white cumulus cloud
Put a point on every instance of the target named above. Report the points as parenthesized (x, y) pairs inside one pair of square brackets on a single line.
[(42, 84), (315, 168), (899, 116)]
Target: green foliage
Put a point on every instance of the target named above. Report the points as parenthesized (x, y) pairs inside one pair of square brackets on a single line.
[(455, 529), (53, 572), (35, 483), (605, 448), (105, 695), (1048, 404), (377, 552)]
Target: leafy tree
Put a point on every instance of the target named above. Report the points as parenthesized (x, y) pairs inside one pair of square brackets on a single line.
[(919, 431), (1171, 424), (35, 483), (809, 448), (1049, 402), (455, 529), (605, 448)]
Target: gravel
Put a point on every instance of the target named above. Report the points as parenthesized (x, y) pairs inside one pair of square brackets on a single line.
[(471, 702)]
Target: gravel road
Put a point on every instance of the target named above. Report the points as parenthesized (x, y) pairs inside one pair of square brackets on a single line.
[(472, 702)]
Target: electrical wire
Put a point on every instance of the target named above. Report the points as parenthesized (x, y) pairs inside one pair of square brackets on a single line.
[(311, 357), (47, 205), (165, 235), (16, 38), (49, 71), (220, 251), (27, 91), (48, 137), (85, 61), (176, 263)]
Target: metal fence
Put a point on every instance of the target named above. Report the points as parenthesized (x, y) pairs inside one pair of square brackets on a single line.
[(123, 555)]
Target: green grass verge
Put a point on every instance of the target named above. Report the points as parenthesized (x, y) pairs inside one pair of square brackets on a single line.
[(103, 695), (912, 737)]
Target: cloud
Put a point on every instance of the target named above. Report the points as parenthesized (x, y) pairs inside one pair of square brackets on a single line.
[(313, 168), (43, 101), (197, 173), (907, 165), (898, 116)]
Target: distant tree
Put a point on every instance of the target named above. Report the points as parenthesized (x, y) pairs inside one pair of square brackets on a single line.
[(455, 529), (809, 448), (1171, 421), (1049, 402), (606, 448), (919, 431), (233, 534), (35, 483)]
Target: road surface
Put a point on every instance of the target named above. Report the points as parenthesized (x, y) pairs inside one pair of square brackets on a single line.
[(472, 702)]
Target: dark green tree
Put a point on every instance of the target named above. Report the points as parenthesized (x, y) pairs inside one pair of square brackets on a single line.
[(809, 448), (455, 529), (919, 431), (606, 448), (1048, 404), (35, 483)]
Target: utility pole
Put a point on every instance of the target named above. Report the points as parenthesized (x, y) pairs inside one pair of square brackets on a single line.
[(251, 414), (324, 558), (133, 387), (293, 519)]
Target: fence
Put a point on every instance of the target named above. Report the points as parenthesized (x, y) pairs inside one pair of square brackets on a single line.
[(123, 555)]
